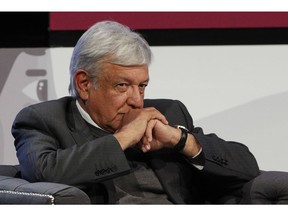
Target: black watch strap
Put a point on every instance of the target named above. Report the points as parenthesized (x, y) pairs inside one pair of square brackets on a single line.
[(181, 144)]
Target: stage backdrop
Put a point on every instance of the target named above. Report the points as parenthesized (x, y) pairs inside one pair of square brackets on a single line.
[(229, 68)]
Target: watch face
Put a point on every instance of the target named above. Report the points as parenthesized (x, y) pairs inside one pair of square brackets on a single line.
[(181, 126)]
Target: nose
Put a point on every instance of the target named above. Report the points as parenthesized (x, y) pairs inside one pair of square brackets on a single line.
[(135, 98)]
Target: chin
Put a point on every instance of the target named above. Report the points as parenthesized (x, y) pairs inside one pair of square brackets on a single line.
[(113, 128)]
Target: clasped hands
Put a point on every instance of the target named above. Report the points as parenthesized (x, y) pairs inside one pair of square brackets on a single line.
[(147, 129)]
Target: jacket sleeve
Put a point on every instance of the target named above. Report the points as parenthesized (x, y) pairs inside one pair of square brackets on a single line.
[(47, 151), (227, 162)]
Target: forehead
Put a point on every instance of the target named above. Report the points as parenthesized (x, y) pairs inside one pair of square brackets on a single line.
[(137, 72)]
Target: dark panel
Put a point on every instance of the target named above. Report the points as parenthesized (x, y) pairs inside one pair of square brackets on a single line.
[(24, 29), (31, 29), (179, 37)]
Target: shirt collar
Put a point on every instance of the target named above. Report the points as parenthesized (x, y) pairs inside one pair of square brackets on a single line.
[(86, 116)]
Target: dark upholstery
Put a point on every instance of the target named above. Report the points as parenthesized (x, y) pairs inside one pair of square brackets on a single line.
[(271, 187), (9, 170), (14, 190)]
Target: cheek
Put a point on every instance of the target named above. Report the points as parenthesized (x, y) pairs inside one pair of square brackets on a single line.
[(115, 112), (110, 103), (118, 100), (111, 107)]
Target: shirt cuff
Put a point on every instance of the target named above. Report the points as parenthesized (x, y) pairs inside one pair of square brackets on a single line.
[(197, 160)]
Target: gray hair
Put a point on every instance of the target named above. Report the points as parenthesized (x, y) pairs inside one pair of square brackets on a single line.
[(107, 41)]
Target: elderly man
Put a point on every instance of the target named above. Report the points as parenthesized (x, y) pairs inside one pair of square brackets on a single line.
[(119, 147)]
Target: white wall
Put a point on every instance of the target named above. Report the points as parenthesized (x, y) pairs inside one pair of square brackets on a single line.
[(238, 92)]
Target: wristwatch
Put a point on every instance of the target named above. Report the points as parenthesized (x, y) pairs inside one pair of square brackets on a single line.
[(181, 144)]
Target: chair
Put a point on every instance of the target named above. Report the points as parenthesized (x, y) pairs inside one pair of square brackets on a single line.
[(14, 190), (270, 187)]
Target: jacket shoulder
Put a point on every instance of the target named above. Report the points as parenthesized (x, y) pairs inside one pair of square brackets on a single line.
[(53, 108), (163, 104), (174, 110), (56, 104), (158, 102)]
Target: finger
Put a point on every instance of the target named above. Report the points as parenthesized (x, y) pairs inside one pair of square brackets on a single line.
[(144, 145), (157, 115), (162, 118), (149, 130), (146, 148)]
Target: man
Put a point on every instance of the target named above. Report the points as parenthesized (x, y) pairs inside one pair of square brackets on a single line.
[(116, 146)]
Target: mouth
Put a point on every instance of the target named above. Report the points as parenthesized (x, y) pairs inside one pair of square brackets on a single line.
[(121, 114)]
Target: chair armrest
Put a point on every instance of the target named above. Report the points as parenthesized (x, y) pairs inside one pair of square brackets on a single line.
[(270, 187), (19, 191), (10, 170)]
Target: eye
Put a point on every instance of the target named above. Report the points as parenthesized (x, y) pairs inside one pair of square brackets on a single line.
[(122, 87), (142, 87)]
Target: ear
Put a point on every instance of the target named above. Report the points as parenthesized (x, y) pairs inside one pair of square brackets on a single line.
[(81, 80)]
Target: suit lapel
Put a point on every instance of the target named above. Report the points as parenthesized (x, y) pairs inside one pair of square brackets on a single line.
[(78, 126)]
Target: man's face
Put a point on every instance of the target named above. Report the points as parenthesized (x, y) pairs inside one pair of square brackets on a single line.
[(118, 90)]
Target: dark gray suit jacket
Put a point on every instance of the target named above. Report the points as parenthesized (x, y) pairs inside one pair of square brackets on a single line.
[(55, 144)]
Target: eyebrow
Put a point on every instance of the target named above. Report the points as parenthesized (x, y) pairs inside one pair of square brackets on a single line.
[(128, 80)]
